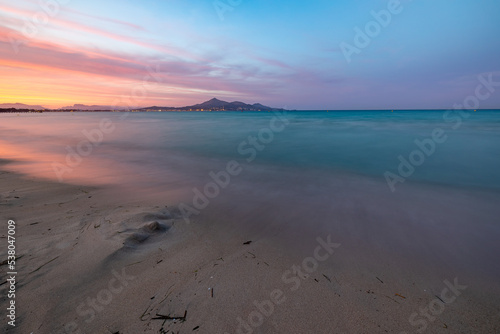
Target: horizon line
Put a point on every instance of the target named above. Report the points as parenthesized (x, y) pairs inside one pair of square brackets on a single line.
[(175, 109)]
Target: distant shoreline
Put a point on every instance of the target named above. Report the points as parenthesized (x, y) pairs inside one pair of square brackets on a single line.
[(13, 110)]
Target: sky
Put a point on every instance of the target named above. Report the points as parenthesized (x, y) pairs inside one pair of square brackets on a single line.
[(320, 54)]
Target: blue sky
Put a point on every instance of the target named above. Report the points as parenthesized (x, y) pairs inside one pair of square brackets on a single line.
[(282, 53)]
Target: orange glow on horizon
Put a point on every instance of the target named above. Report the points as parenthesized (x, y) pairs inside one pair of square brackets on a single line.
[(57, 73)]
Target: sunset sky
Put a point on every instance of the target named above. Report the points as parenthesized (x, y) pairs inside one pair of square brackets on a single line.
[(280, 53)]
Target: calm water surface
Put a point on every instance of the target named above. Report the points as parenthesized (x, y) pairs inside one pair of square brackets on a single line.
[(318, 173)]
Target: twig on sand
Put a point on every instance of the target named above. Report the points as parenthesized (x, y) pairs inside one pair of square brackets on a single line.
[(440, 299), (328, 278), (144, 314), (379, 279), (168, 317), (397, 294)]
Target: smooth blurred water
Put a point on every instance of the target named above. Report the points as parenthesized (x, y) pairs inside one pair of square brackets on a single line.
[(322, 174), (360, 142)]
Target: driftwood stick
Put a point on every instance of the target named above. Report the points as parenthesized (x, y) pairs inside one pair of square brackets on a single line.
[(168, 317)]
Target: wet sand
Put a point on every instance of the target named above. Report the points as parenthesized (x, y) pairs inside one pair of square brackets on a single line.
[(91, 262)]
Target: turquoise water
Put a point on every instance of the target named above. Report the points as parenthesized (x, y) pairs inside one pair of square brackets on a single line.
[(368, 143), (361, 142)]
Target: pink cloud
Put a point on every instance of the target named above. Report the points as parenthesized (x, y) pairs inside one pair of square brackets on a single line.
[(184, 77)]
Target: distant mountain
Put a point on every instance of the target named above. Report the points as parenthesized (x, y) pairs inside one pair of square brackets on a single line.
[(210, 105), (157, 108), (20, 106), (216, 105), (213, 103), (84, 107), (223, 105)]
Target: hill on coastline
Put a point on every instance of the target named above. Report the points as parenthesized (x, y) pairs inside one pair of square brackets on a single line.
[(210, 105), (216, 105), (20, 106)]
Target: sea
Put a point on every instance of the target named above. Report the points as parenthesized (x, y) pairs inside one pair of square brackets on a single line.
[(411, 189)]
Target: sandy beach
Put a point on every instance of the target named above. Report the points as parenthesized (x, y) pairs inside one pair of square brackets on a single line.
[(94, 263)]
